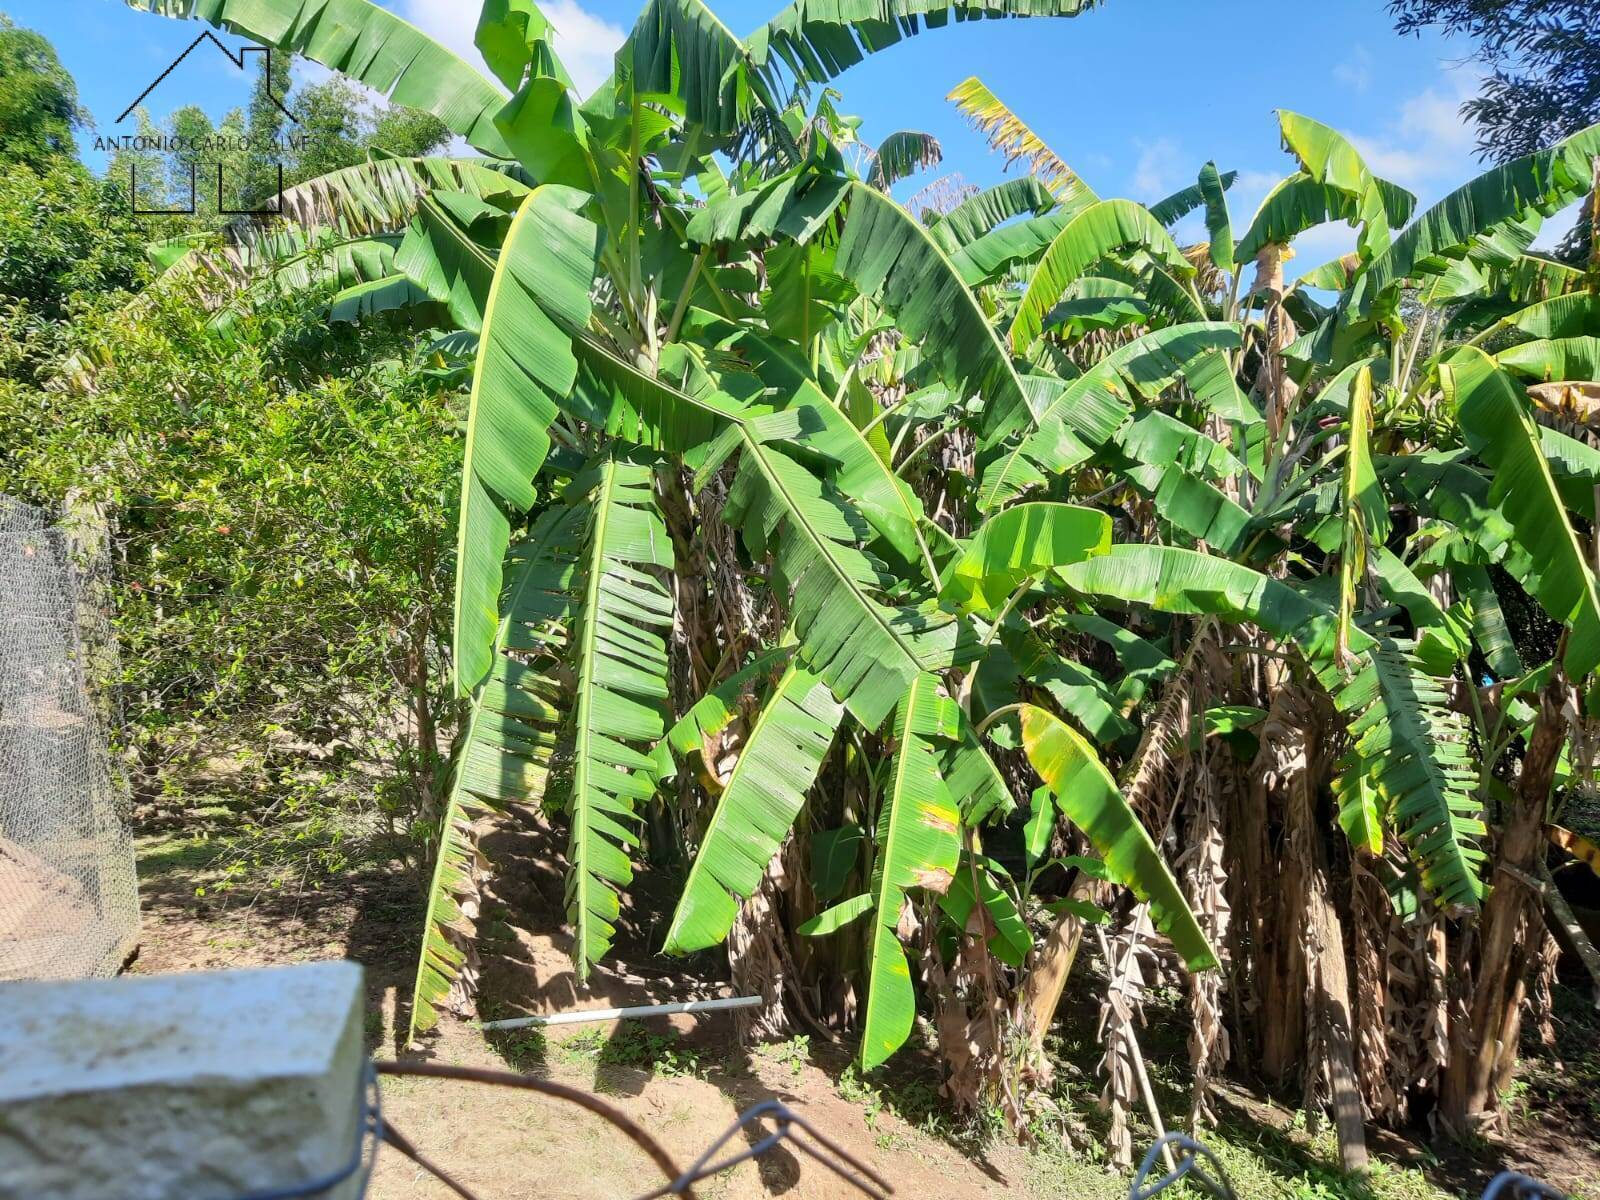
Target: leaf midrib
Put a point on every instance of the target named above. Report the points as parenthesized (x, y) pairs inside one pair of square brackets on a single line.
[(580, 772), (468, 472), (824, 548), (886, 853), (681, 915)]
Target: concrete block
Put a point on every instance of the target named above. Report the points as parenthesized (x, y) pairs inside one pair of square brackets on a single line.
[(208, 1086)]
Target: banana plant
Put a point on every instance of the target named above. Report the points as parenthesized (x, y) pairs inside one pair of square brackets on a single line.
[(822, 533)]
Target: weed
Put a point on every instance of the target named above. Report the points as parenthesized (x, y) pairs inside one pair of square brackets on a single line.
[(855, 1090), (793, 1053), (1514, 1098), (522, 1049), (581, 1047), (632, 1045)]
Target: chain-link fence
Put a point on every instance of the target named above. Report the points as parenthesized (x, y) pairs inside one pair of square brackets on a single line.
[(68, 900)]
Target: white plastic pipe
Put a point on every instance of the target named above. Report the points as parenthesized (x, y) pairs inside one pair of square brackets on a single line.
[(616, 1014)]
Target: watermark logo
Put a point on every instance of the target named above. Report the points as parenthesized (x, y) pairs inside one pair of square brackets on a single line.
[(216, 143)]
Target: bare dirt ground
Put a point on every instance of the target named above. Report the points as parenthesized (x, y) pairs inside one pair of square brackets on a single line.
[(686, 1079)]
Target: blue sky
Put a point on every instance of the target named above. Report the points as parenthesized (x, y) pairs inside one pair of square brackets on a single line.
[(1136, 95)]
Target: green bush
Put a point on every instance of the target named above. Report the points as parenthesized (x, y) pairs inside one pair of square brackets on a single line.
[(282, 502), (66, 238)]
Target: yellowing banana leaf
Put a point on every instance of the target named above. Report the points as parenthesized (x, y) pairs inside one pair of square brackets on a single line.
[(1010, 135), (1089, 798), (1575, 844), (1366, 509), (918, 846)]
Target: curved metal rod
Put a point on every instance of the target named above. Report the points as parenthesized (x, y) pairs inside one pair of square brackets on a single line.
[(787, 1121), (402, 1143), (1188, 1168), (1519, 1187), (559, 1091)]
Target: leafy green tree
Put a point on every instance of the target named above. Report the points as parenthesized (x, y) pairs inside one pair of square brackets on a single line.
[(291, 470), (328, 118), (1544, 81), (38, 99), (199, 149), (338, 128), (266, 125), (1544, 59), (280, 507), (143, 168), (64, 233), (407, 132), (64, 236)]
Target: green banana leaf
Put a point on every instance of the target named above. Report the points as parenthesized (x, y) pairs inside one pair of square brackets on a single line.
[(1494, 415), (1089, 798), (918, 846), (777, 765), (539, 296)]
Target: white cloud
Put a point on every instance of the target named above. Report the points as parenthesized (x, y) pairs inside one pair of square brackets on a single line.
[(448, 22), (1355, 72), (1322, 244), (584, 41), (1159, 170), (1430, 143)]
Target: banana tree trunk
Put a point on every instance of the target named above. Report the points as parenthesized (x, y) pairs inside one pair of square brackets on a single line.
[(758, 959), (1205, 884), (1330, 1005), (1052, 965), (1279, 771), (1489, 1035), (1370, 936)]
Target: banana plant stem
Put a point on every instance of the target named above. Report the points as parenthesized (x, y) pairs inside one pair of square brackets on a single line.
[(1003, 710)]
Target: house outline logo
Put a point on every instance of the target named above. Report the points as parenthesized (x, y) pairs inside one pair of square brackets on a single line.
[(238, 61)]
